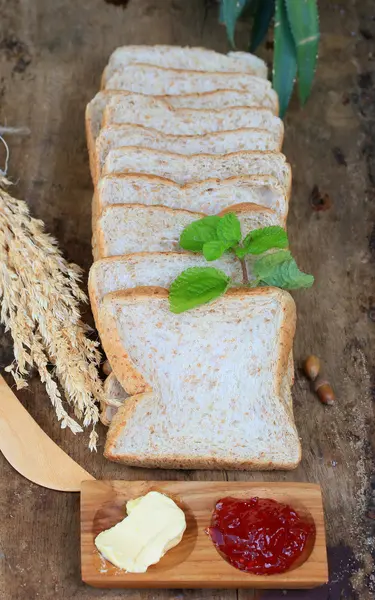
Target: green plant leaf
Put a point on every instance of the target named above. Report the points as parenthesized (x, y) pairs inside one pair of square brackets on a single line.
[(196, 286), (280, 270), (230, 10), (284, 57), (213, 250), (261, 240), (265, 265), (229, 229), (264, 12), (304, 23), (197, 233)]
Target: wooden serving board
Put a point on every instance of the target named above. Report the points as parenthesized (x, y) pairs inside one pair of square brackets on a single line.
[(195, 562)]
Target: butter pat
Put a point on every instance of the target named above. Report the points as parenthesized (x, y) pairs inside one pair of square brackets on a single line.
[(154, 525)]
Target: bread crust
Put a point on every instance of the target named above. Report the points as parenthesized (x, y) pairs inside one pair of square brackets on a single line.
[(187, 462)]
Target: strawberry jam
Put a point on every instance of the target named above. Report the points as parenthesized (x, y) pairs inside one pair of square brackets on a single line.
[(259, 535)]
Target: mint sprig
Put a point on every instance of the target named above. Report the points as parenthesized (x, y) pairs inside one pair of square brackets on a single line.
[(213, 236)]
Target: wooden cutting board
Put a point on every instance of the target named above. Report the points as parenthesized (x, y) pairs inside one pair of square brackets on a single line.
[(195, 562)]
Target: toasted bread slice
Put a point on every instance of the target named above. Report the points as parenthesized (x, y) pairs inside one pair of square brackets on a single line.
[(209, 196), (197, 167), (216, 100), (220, 142), (160, 81), (128, 228), (197, 59), (217, 374)]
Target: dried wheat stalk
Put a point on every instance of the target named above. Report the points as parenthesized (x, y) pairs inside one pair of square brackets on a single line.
[(40, 296)]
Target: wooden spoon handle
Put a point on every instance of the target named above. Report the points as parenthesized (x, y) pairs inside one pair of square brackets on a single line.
[(31, 452)]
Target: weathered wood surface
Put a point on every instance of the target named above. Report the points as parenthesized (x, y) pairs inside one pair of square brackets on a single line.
[(51, 57)]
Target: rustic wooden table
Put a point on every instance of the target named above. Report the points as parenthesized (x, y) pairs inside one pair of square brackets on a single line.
[(51, 57)]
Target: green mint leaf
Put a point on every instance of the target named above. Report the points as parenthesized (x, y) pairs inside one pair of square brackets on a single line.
[(213, 250), (280, 270), (261, 240), (196, 286), (266, 265), (229, 229), (197, 233)]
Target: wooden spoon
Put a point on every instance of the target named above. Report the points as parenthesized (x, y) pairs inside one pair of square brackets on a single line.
[(31, 452)]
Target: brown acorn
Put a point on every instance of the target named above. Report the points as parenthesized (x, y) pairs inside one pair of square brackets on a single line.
[(324, 391), (311, 367)]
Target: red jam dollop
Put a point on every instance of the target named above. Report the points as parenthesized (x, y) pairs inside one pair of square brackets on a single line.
[(259, 535)]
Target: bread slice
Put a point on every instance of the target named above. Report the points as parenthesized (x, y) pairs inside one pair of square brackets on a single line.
[(209, 196), (149, 79), (197, 167), (128, 228), (149, 269), (217, 376), (219, 142), (217, 100), (115, 397), (155, 269), (115, 394), (198, 59), (149, 111)]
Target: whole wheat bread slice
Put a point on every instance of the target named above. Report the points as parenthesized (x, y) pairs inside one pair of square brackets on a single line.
[(209, 196), (219, 142), (159, 81), (217, 374), (155, 269), (128, 228), (115, 395), (197, 167), (197, 59), (157, 113), (217, 100)]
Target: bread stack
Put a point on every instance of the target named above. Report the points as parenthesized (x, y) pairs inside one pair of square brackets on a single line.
[(173, 135)]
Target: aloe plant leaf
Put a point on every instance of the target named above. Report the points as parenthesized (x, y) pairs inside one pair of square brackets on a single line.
[(304, 22), (230, 10), (284, 58), (264, 12)]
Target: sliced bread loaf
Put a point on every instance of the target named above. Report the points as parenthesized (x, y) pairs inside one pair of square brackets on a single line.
[(217, 376), (198, 59), (217, 100), (128, 228), (197, 167), (148, 79), (220, 142), (209, 196), (159, 114)]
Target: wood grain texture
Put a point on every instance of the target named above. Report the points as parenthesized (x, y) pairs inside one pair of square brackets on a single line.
[(195, 562), (31, 452), (51, 58)]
